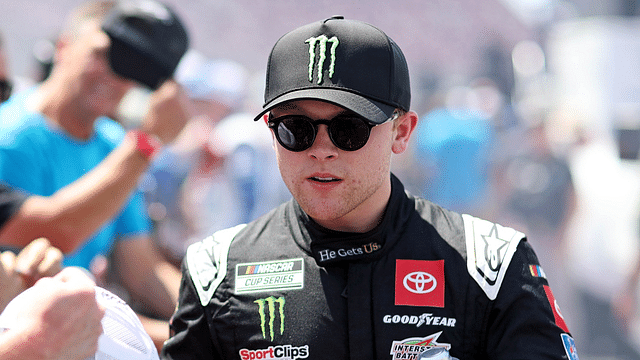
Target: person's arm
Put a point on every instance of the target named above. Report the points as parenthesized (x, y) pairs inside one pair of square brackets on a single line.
[(625, 302), (147, 275), (526, 313), (75, 212), (61, 320), (151, 279)]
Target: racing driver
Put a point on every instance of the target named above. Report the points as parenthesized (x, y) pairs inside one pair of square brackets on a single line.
[(353, 267)]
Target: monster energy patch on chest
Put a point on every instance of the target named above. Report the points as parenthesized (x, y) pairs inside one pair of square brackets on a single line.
[(269, 276)]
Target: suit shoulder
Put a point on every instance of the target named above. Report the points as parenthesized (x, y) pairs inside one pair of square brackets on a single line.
[(490, 249), (487, 247), (206, 261)]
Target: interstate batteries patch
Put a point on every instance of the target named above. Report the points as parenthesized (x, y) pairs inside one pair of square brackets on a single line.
[(269, 276)]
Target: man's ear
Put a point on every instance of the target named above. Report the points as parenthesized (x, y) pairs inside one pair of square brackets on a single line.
[(61, 44), (265, 117), (403, 130)]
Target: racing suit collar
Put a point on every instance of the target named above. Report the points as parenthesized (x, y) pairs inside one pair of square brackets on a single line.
[(331, 246)]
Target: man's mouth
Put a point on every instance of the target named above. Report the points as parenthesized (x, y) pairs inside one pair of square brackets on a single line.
[(323, 179)]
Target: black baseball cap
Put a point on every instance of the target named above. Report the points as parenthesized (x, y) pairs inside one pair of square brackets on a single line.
[(147, 41), (346, 62)]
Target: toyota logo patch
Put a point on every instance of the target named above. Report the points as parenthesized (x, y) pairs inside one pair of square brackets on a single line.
[(419, 283)]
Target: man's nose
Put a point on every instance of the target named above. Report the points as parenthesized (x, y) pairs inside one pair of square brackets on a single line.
[(323, 147)]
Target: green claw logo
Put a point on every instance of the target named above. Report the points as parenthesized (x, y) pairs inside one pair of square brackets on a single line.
[(322, 41), (269, 305)]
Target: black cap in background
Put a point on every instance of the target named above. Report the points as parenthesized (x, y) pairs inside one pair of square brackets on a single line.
[(147, 41)]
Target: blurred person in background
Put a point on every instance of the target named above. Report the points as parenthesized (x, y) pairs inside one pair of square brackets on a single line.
[(453, 147), (55, 133), (538, 191), (601, 250), (625, 309), (42, 52), (537, 196), (241, 183), (6, 85), (217, 89)]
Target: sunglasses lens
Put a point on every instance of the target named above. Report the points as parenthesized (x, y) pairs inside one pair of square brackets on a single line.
[(295, 133), (349, 132)]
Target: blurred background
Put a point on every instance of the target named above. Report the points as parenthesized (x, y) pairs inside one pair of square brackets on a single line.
[(530, 116)]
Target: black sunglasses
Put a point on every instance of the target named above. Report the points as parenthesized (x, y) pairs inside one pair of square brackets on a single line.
[(348, 132), (5, 89)]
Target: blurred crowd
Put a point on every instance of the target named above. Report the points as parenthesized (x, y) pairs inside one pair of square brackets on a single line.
[(477, 150)]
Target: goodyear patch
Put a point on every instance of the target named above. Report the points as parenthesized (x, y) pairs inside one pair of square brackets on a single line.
[(207, 262), (269, 276), (490, 248)]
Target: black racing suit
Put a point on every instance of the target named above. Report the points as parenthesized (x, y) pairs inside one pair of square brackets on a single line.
[(282, 287)]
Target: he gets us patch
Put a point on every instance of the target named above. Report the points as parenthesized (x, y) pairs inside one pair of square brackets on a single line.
[(490, 248)]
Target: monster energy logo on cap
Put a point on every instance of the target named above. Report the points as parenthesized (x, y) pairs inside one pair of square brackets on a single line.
[(268, 307), (322, 41), (358, 68)]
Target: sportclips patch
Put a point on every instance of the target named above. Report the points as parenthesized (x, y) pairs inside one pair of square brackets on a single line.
[(490, 248), (269, 276)]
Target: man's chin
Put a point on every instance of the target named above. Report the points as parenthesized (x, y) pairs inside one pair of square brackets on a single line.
[(324, 212)]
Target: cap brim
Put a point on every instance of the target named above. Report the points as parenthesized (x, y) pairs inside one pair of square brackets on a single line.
[(374, 111)]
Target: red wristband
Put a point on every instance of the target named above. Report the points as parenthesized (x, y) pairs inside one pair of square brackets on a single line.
[(147, 145)]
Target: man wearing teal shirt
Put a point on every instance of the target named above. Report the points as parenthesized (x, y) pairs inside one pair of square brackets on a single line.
[(59, 134), (41, 159)]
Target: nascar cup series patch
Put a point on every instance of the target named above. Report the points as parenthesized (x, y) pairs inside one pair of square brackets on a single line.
[(269, 276), (490, 248)]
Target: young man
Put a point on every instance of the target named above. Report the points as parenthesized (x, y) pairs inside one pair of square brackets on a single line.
[(58, 144), (353, 267)]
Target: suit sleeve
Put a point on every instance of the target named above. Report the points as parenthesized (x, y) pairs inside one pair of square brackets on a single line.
[(525, 321), (190, 337)]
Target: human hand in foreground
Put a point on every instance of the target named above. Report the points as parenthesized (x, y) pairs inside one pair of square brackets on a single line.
[(58, 318), (18, 272)]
